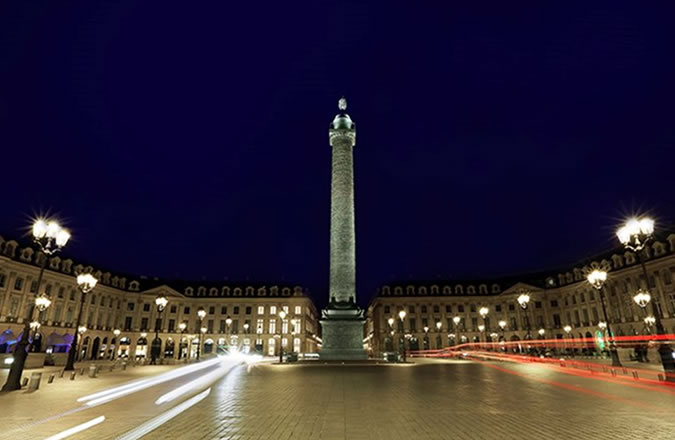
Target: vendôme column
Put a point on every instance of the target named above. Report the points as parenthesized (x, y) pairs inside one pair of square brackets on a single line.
[(342, 321)]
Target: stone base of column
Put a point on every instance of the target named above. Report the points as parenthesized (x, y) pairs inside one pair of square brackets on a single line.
[(342, 333)]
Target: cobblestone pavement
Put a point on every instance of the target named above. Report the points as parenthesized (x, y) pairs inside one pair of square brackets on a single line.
[(427, 400), (430, 400)]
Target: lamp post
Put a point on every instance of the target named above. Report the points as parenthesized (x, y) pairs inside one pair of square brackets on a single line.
[(282, 316), (597, 279), (201, 313), (481, 329), (86, 283), (182, 326), (42, 302), (439, 341), (401, 316), (117, 332), (456, 320), (156, 352), (634, 235), (567, 329), (50, 238), (483, 312), (80, 331), (502, 326), (426, 337)]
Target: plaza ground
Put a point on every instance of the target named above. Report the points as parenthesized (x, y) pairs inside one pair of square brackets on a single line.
[(426, 400)]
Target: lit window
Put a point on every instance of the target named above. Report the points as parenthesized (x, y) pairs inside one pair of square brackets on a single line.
[(273, 310), (286, 309), (261, 310), (298, 310), (273, 326), (259, 326), (284, 326)]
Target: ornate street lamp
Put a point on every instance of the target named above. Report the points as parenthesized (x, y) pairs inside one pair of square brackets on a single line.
[(439, 341), (523, 300), (86, 283), (483, 312), (567, 329), (635, 234), (50, 238), (649, 320), (201, 314), (156, 351), (182, 326), (401, 316), (282, 316), (597, 278)]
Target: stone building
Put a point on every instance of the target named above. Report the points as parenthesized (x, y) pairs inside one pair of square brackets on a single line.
[(127, 303), (558, 299)]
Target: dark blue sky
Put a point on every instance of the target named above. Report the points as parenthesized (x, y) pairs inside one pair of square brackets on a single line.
[(190, 139)]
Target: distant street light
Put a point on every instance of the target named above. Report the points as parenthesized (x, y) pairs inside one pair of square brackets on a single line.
[(117, 332), (85, 283), (456, 320), (634, 235), (401, 315), (597, 279), (201, 314), (182, 326), (282, 316), (50, 238)]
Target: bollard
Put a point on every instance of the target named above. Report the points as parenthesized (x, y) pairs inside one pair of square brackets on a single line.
[(92, 370), (24, 382), (625, 370), (51, 378), (661, 378), (61, 373), (72, 375), (35, 379), (635, 375), (124, 365), (613, 371), (81, 371)]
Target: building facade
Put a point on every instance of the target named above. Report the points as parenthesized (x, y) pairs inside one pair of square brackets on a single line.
[(127, 304), (558, 299)]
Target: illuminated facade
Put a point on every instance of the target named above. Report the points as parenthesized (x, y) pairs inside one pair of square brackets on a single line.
[(557, 300), (127, 304)]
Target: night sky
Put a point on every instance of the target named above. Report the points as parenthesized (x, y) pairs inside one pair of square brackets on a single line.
[(190, 139)]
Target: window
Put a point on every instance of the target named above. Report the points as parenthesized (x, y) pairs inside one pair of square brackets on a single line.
[(146, 307), (102, 301), (273, 310), (582, 297), (18, 284), (473, 308), (144, 323), (3, 280), (512, 307), (591, 295), (413, 325), (261, 310), (222, 326), (57, 313), (387, 310), (48, 289), (411, 309), (537, 304), (174, 309), (69, 315), (259, 326), (273, 326), (514, 324), (186, 311), (62, 290), (298, 310), (127, 323), (223, 310), (212, 311), (172, 325), (93, 300), (209, 326), (285, 309), (235, 326), (448, 309), (424, 309), (474, 324), (554, 303), (236, 310), (248, 310), (460, 308), (72, 295)]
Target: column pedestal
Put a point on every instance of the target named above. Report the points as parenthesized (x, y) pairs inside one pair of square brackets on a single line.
[(342, 332)]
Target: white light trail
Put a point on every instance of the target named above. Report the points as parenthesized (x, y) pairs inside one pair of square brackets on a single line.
[(198, 383), (158, 421), (117, 392), (75, 429)]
